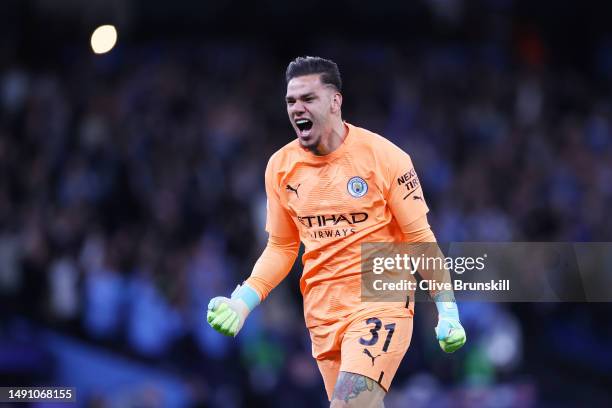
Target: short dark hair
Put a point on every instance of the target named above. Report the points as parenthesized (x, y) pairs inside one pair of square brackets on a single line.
[(330, 74)]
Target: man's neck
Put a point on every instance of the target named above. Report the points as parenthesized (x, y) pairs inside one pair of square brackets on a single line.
[(333, 140)]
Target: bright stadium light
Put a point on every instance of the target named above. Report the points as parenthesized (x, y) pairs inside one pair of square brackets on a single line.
[(103, 39)]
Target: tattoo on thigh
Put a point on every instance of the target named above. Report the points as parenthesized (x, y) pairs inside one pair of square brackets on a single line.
[(350, 385)]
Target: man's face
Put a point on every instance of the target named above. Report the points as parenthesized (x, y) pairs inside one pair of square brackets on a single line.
[(311, 106)]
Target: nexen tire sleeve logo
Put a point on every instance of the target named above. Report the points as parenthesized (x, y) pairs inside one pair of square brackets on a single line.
[(411, 181)]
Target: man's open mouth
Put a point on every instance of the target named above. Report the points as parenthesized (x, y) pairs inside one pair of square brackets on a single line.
[(304, 125)]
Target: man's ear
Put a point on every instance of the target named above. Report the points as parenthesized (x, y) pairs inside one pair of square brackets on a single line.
[(336, 104)]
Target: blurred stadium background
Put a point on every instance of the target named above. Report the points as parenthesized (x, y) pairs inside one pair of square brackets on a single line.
[(131, 189)]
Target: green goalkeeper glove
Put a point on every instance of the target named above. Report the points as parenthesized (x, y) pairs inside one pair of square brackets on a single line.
[(449, 332), (228, 315)]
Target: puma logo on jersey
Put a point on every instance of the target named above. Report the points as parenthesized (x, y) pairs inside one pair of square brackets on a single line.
[(367, 353), (295, 190)]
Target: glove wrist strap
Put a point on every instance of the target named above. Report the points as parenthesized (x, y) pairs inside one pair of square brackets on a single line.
[(248, 295), (446, 305)]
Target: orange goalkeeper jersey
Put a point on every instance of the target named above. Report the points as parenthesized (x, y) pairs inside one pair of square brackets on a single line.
[(366, 190)]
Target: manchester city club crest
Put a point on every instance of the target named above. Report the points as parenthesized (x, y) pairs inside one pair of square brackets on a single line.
[(357, 187)]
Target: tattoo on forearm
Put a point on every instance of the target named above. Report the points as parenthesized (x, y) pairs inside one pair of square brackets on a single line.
[(350, 385)]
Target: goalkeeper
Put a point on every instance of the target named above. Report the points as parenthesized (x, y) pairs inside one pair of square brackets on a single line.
[(333, 188)]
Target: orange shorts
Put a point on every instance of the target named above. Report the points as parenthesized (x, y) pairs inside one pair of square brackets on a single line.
[(370, 342)]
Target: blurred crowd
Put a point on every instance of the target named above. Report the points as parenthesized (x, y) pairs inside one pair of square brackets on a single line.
[(131, 192)]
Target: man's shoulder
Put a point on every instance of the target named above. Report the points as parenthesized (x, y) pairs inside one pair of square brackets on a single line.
[(374, 142), (286, 154)]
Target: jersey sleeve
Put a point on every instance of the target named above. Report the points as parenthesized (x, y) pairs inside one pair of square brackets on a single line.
[(405, 193), (273, 265), (278, 219)]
